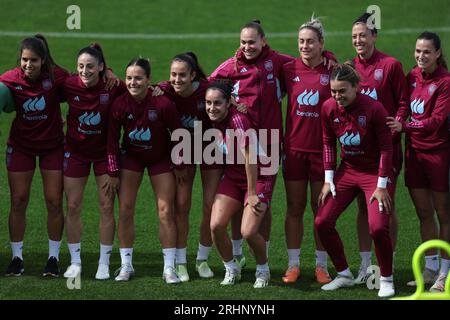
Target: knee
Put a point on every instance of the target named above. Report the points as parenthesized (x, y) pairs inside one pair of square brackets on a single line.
[(296, 208), (54, 204), (19, 203), (182, 206), (107, 209), (377, 233), (321, 224), (73, 208), (165, 213), (217, 227)]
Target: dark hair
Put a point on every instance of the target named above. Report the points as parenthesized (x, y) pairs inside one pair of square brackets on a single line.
[(38, 44), (345, 72), (143, 63), (223, 86), (96, 51), (191, 60), (255, 24), (363, 19), (427, 35)]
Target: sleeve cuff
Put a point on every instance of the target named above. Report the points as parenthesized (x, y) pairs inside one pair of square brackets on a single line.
[(382, 182), (329, 176)]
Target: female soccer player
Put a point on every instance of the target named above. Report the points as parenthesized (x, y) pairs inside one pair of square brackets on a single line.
[(37, 131), (145, 120), (382, 79), (428, 150), (87, 123), (307, 83), (186, 88), (359, 123), (241, 186)]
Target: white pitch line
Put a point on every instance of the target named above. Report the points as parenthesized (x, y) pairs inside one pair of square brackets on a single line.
[(191, 36)]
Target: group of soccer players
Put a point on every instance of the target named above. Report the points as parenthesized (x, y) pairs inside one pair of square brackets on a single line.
[(364, 104)]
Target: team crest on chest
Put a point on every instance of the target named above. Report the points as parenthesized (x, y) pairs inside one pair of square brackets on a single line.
[(431, 89), (47, 84), (362, 121), (152, 115), (378, 74), (324, 79), (104, 98), (268, 65), (201, 105)]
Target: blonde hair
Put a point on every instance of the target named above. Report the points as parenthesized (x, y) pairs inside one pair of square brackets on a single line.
[(314, 24)]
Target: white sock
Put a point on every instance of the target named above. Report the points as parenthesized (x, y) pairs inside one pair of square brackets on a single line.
[(267, 249), (262, 267), (181, 256), (389, 279), (321, 258), (237, 247), (53, 249), (445, 264), (230, 264), (126, 255), (75, 250), (294, 257), (346, 273), (169, 257), (203, 252), (105, 254), (366, 259), (16, 248), (432, 262)]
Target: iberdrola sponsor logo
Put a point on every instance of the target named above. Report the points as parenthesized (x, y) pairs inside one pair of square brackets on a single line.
[(34, 104), (90, 119), (350, 140), (372, 94), (417, 106), (140, 134), (308, 98)]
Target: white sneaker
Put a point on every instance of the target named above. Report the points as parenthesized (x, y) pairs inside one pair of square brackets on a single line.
[(170, 276), (182, 272), (102, 272), (363, 275), (439, 285), (339, 282), (203, 269), (73, 271), (429, 277), (262, 279), (386, 289), (124, 273), (231, 276)]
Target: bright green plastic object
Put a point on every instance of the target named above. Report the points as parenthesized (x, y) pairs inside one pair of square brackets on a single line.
[(420, 293)]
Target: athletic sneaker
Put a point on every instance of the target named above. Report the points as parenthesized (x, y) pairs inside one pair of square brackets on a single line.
[(203, 269), (15, 268), (386, 289), (241, 261), (339, 282), (322, 275), (363, 275), (429, 277), (231, 276), (262, 279), (439, 285), (124, 273), (291, 275), (182, 272), (171, 276), (51, 269), (73, 271), (102, 272)]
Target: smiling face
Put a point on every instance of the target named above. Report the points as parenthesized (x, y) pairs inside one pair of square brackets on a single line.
[(426, 55), (137, 82), (216, 105), (31, 64), (89, 69), (181, 77), (309, 45), (343, 92), (363, 40), (251, 43)]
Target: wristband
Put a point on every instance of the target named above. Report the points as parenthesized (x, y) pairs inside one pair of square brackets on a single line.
[(382, 182)]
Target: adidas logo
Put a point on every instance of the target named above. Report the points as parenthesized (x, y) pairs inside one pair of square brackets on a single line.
[(244, 69), (77, 98), (130, 117), (296, 79), (414, 85), (78, 250), (19, 88), (128, 255), (261, 195), (109, 252), (336, 120)]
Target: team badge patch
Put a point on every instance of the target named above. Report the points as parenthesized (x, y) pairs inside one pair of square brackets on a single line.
[(378, 75), (431, 89), (201, 105), (47, 84), (362, 121), (268, 65), (324, 79), (152, 115), (104, 98)]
